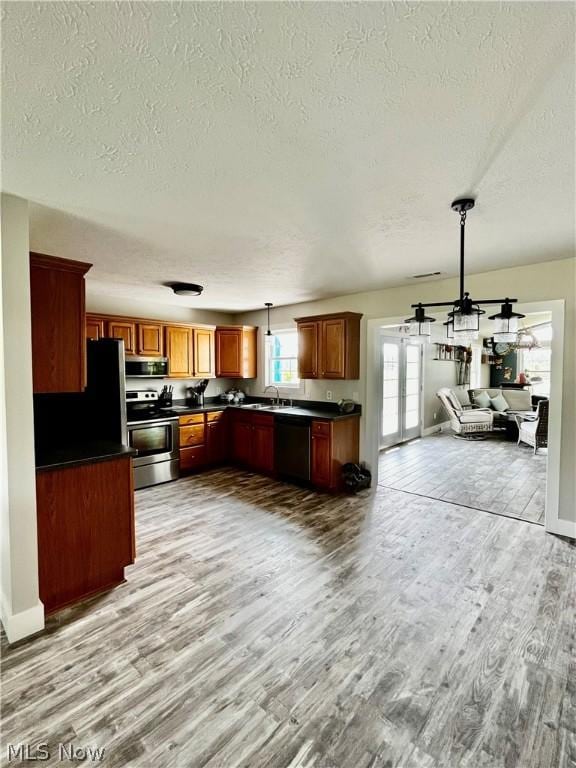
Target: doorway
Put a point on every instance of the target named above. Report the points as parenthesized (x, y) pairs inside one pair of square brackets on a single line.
[(401, 387)]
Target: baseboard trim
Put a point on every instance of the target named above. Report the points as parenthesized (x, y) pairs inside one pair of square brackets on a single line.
[(435, 429), (562, 528), (20, 625)]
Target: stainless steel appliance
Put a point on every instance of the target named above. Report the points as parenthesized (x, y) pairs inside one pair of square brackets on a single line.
[(146, 367), (154, 435), (292, 447)]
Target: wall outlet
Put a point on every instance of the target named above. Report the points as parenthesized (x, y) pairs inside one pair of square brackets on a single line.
[(328, 394)]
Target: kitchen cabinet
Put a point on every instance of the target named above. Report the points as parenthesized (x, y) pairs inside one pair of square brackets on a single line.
[(84, 547), (329, 346), (334, 443), (95, 329), (150, 339), (204, 353), (179, 351), (236, 355), (57, 294), (253, 441), (125, 330), (203, 440), (216, 437)]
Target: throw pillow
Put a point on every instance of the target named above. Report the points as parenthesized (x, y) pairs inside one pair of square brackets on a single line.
[(499, 403), (483, 400)]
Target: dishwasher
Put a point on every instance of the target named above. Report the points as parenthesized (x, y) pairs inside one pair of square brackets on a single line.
[(292, 447)]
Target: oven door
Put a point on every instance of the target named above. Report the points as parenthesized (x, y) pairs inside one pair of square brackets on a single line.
[(155, 441)]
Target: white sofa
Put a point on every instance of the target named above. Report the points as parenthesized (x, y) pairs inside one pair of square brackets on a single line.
[(465, 419)]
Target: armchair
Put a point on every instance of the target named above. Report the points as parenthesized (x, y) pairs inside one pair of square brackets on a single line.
[(466, 422), (533, 429)]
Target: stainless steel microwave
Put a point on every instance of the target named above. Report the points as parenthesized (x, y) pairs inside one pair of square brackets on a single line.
[(146, 367)]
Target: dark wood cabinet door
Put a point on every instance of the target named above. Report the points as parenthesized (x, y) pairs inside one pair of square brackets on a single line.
[(150, 339), (321, 460), (216, 441), (179, 351), (242, 442), (204, 353), (308, 350), (58, 323), (333, 349), (94, 328), (85, 530), (229, 352), (263, 448), (121, 329)]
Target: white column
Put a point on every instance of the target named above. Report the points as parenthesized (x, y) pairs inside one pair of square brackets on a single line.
[(21, 611)]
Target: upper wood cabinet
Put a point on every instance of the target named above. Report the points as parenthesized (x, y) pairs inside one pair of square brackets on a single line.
[(204, 353), (236, 352), (58, 323), (123, 329), (150, 339), (179, 351), (94, 328), (329, 346)]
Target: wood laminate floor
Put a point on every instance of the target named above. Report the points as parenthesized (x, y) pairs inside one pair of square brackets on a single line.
[(265, 625), (494, 475)]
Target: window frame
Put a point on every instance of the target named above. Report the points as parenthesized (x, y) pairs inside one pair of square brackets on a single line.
[(286, 389)]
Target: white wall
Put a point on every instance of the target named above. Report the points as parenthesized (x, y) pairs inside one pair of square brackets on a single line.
[(531, 283), (22, 612)]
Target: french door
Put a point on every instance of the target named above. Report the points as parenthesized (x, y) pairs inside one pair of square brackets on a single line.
[(401, 387)]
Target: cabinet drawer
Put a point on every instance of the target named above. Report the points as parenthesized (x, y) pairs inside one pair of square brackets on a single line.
[(214, 415), (192, 458), (321, 428), (193, 435), (191, 418)]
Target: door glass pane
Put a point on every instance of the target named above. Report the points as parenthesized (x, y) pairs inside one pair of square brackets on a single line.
[(390, 402), (412, 388)]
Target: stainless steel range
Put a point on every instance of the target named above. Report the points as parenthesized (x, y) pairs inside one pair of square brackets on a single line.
[(154, 434)]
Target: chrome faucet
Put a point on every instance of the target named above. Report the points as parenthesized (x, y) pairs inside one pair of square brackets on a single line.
[(271, 386)]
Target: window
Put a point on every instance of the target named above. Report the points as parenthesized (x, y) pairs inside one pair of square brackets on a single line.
[(536, 362), (282, 359)]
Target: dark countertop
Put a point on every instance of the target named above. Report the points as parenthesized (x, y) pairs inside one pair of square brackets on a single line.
[(76, 455), (314, 412)]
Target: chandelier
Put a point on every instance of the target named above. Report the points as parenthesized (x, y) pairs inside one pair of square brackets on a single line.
[(463, 323)]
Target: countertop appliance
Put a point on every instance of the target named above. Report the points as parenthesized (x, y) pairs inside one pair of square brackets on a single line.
[(292, 447), (146, 367), (154, 434)]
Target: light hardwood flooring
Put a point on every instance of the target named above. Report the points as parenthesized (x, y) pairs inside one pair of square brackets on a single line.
[(494, 475), (266, 625)]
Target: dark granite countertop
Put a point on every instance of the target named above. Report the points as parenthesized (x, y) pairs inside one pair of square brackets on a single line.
[(90, 452), (315, 411)]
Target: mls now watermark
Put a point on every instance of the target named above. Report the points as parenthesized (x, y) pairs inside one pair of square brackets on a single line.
[(43, 751)]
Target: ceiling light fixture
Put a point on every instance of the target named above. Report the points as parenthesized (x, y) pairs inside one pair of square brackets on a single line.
[(186, 289), (268, 304), (464, 319)]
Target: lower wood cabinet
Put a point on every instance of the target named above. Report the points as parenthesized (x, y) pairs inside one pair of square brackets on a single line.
[(334, 443), (253, 441), (204, 440), (85, 530)]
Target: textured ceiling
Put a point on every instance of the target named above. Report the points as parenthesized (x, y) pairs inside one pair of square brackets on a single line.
[(284, 151)]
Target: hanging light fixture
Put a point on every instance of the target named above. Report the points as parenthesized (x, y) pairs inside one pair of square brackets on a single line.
[(506, 323), (268, 304), (420, 325), (463, 323)]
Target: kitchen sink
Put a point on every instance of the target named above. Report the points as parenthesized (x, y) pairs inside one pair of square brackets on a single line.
[(265, 407)]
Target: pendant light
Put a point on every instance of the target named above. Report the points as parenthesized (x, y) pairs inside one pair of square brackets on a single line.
[(506, 323), (420, 325), (268, 304), (464, 319)]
